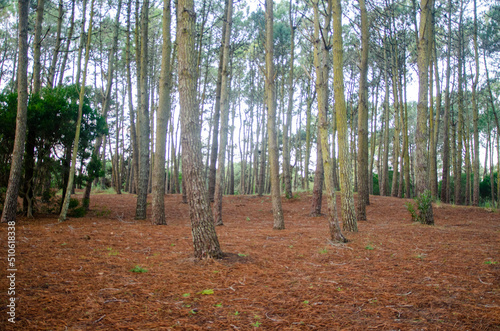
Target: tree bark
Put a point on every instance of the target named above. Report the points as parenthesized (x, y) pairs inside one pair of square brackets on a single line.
[(37, 45), (162, 116), (57, 47), (67, 196), (347, 200), (475, 115), (225, 86), (424, 37), (286, 129), (205, 241), (321, 64), (10, 204), (215, 133), (363, 187), (142, 180), (279, 222)]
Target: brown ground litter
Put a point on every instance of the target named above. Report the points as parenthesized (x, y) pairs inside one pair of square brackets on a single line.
[(392, 275)]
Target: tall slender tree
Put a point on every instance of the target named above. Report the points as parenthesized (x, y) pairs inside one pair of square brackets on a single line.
[(279, 222), (363, 175), (143, 117), (206, 243), (10, 204), (424, 37), (162, 116), (225, 87), (67, 196), (347, 201)]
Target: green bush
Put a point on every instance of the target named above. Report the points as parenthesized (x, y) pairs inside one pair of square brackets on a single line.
[(423, 211)]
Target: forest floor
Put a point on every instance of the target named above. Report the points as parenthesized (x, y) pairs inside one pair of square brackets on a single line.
[(393, 274)]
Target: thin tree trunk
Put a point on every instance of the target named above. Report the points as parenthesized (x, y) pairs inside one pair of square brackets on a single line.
[(142, 180), (286, 129), (162, 116), (37, 45), (421, 136), (67, 196), (460, 123), (215, 123), (225, 87), (362, 174), (321, 64), (279, 222), (445, 184), (57, 47), (475, 115), (347, 200), (384, 180), (10, 204)]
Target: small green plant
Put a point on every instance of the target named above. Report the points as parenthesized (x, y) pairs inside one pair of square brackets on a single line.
[(63, 244), (369, 247), (206, 292), (236, 313), (248, 219), (185, 295), (256, 324), (138, 269), (323, 251), (218, 305), (422, 212), (490, 262), (306, 302), (241, 255)]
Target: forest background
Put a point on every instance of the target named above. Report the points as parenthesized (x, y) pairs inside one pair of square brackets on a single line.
[(115, 67)]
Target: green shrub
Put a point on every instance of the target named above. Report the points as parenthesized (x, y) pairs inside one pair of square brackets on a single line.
[(423, 212)]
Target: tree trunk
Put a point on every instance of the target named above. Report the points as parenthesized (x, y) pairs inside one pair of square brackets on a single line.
[(319, 180), (445, 184), (68, 43), (10, 204), (286, 129), (225, 87), (106, 101), (67, 196), (421, 136), (37, 45), (205, 241), (215, 123), (57, 47), (475, 115), (384, 180), (142, 180), (460, 123), (347, 199), (279, 222), (162, 116), (321, 64), (363, 187)]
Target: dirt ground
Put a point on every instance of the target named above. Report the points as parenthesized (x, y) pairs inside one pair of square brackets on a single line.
[(392, 275)]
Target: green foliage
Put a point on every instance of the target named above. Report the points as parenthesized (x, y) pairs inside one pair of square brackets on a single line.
[(423, 207), (206, 292), (73, 203), (138, 269)]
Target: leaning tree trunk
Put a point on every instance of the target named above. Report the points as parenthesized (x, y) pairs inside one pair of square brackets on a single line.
[(279, 222), (206, 243), (10, 204), (162, 116), (67, 197)]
